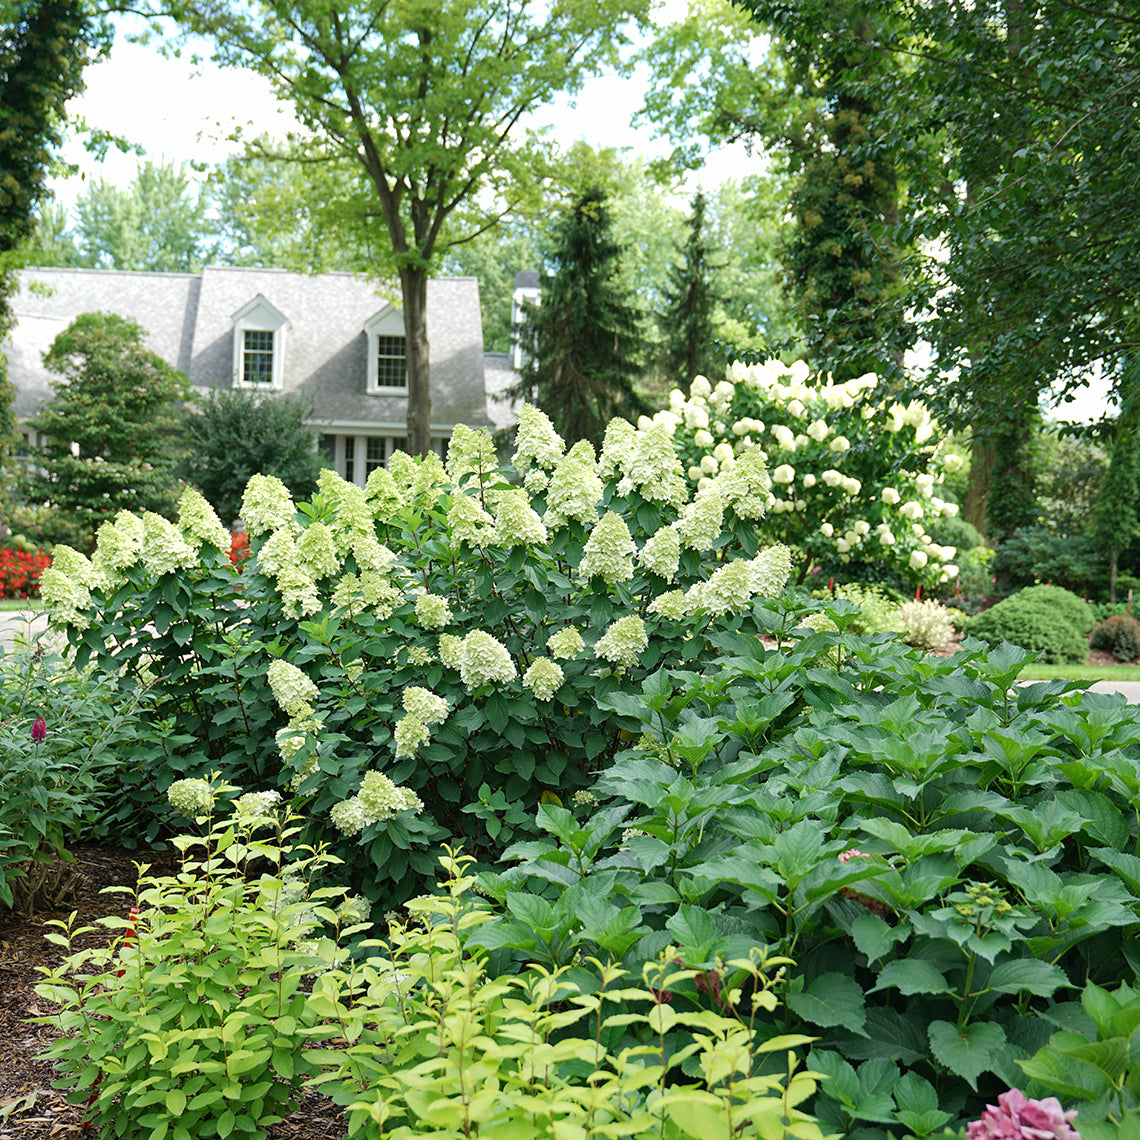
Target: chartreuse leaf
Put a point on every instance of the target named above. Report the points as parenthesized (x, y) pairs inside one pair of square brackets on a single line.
[(1066, 1075), (968, 1052), (830, 1000)]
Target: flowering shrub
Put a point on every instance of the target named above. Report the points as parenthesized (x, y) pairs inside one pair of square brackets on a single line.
[(854, 474), (925, 624), (426, 657), (20, 572), (239, 548)]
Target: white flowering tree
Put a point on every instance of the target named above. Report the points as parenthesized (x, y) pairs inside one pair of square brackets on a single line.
[(426, 658), (854, 475)]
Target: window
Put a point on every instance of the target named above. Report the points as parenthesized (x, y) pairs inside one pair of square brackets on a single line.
[(259, 345), (387, 353), (349, 458), (375, 454), (257, 357)]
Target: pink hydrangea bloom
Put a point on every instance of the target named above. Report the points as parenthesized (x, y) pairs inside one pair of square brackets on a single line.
[(1015, 1117), (851, 853)]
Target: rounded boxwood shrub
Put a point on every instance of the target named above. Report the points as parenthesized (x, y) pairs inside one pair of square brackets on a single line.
[(1043, 619), (1120, 635)]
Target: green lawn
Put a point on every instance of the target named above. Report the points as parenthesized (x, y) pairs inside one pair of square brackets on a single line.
[(1089, 673), (7, 605)]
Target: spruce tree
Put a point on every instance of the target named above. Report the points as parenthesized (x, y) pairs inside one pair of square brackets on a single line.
[(687, 322), (583, 340)]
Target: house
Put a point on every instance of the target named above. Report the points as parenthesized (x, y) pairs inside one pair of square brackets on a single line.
[(333, 339)]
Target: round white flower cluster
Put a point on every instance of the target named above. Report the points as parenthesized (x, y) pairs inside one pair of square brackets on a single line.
[(267, 505), (378, 799), (517, 523), (483, 660), (191, 798), (608, 551), (425, 705), (623, 642), (292, 689), (255, 809), (432, 611), (544, 678), (566, 643), (199, 522)]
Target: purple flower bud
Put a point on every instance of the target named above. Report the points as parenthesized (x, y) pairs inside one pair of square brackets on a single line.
[(39, 729)]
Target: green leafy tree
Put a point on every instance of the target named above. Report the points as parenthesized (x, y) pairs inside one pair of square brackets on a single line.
[(157, 224), (1114, 520), (690, 305), (583, 340), (53, 243), (422, 102), (112, 423), (234, 435)]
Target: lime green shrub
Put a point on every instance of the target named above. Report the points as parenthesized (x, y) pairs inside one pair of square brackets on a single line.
[(193, 1023), (441, 1048), (878, 607), (1119, 635), (1044, 619)]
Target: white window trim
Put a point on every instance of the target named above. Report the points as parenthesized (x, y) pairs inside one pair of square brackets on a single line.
[(389, 321), (260, 316)]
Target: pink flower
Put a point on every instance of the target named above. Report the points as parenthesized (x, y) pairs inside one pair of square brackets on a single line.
[(39, 729), (851, 853), (1015, 1117)]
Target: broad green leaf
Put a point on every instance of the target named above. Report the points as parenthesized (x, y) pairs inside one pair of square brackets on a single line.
[(874, 938), (830, 1000), (912, 976), (1028, 975), (967, 1053)]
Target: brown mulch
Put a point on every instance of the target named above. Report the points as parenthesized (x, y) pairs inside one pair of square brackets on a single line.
[(29, 1107)]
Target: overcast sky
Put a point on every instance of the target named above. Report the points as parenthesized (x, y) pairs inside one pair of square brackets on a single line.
[(186, 114)]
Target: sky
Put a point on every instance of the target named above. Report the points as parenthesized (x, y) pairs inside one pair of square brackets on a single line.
[(183, 113)]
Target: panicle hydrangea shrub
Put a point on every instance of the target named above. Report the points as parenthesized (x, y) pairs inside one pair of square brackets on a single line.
[(389, 655), (854, 474)]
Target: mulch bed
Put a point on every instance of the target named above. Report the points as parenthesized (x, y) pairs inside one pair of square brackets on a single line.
[(29, 1107)]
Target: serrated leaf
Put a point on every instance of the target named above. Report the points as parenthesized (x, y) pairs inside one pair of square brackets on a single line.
[(967, 1053), (912, 976), (874, 937), (1026, 975), (829, 1000)]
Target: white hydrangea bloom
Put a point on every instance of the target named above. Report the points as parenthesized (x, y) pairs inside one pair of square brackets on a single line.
[(164, 550), (952, 463), (370, 553), (118, 547), (267, 505), (316, 551), (517, 523), (839, 444), (826, 529), (818, 430), (808, 481), (418, 655), (484, 660), (424, 705), (382, 493), (451, 650), (890, 496), (912, 510), (728, 590), (796, 408), (199, 522), (623, 642), (950, 509), (852, 487), (536, 441), (661, 555), (925, 484), (617, 446), (652, 466), (191, 798), (349, 816), (278, 552), (771, 569), (746, 488), (703, 438), (383, 799), (575, 489), (470, 455), (292, 689), (566, 643), (432, 611), (468, 522), (544, 678), (379, 594), (672, 604), (608, 551), (784, 437), (918, 559), (700, 388), (832, 477), (701, 521), (785, 473), (410, 733), (350, 504)]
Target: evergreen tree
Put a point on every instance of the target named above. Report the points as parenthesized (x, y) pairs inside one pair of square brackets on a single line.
[(690, 302), (584, 339), (236, 434), (110, 423)]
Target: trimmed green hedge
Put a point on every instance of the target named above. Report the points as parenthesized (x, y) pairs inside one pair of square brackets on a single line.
[(1044, 619)]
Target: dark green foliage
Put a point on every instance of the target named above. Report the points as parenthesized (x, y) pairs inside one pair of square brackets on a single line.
[(236, 434), (687, 322), (1034, 554), (583, 340), (1044, 619), (953, 530), (945, 853), (1120, 635), (116, 404)]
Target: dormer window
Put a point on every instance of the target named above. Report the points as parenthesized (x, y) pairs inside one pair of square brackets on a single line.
[(259, 345), (387, 353)]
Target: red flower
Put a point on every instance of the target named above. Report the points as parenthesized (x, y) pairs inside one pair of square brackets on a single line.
[(39, 729)]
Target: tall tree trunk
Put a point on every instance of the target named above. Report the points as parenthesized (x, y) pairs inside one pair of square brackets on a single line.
[(413, 285)]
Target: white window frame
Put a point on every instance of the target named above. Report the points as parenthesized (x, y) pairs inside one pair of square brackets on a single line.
[(259, 315), (389, 321)]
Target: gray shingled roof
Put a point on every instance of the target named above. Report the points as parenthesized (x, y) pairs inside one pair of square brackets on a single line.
[(189, 322)]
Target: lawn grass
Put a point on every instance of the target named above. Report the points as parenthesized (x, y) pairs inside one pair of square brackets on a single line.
[(1089, 673), (8, 605)]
